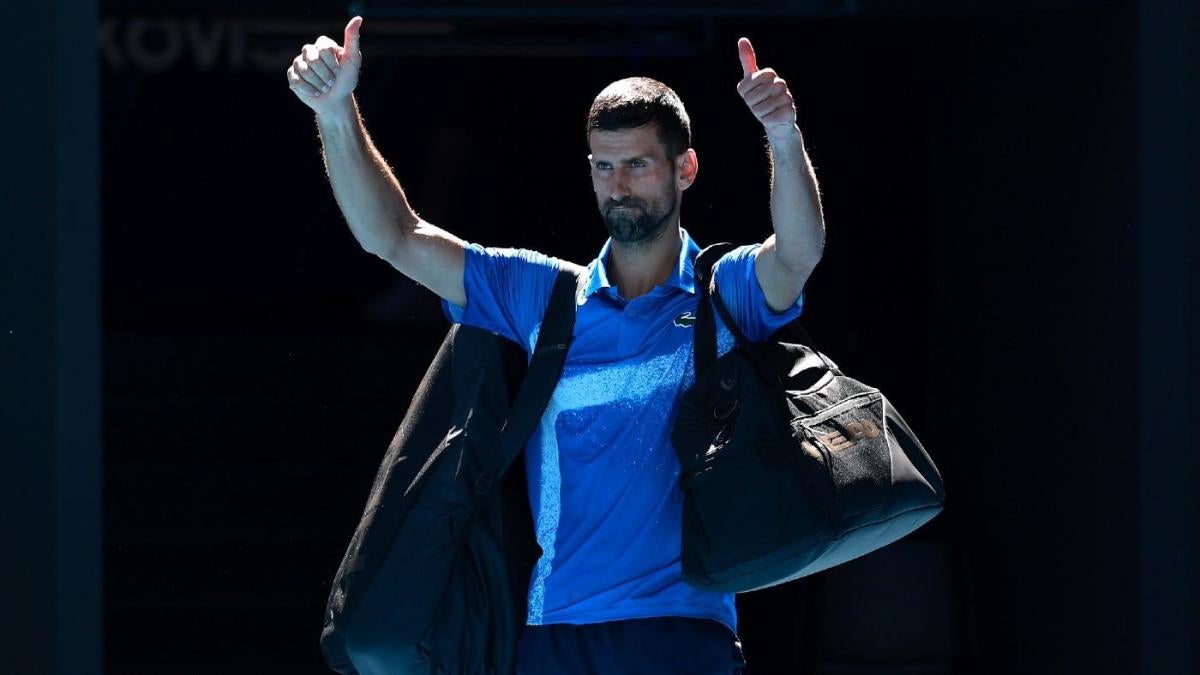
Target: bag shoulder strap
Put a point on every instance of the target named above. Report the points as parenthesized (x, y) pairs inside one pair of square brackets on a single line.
[(705, 337), (545, 366)]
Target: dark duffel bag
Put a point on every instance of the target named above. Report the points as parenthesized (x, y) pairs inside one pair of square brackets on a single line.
[(435, 578), (788, 466)]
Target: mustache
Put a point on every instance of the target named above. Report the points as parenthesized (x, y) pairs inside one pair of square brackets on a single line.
[(628, 202)]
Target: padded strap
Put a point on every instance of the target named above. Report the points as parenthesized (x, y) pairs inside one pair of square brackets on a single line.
[(705, 337), (554, 338)]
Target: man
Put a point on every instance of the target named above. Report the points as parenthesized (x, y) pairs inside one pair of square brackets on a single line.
[(607, 593)]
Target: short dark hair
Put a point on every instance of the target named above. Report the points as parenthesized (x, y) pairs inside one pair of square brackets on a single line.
[(635, 101)]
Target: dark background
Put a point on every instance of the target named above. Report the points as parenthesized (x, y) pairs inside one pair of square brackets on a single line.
[(1010, 213)]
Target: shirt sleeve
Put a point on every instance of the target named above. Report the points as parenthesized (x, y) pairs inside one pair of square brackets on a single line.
[(738, 285), (507, 290)]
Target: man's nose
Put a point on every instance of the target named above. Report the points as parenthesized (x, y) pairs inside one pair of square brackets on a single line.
[(618, 189)]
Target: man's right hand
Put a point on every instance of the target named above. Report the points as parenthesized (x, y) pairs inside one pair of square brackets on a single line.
[(325, 73), (367, 192)]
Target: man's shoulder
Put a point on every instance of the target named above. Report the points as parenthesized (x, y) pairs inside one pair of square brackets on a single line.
[(510, 254), (721, 253), (729, 263), (739, 252), (523, 256)]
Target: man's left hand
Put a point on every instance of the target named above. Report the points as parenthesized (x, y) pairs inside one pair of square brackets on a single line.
[(767, 96)]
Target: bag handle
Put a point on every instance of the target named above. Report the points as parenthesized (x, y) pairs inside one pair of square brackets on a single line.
[(705, 335), (705, 349), (545, 366)]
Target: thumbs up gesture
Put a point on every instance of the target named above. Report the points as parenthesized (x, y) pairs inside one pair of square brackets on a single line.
[(767, 95), (325, 72)]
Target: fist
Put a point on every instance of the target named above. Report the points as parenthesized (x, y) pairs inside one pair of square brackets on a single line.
[(325, 73), (766, 94)]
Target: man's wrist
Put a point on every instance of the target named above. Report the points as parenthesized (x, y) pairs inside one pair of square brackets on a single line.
[(788, 139), (342, 115)]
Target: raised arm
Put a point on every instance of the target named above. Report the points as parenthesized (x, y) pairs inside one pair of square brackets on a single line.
[(790, 254), (374, 205)]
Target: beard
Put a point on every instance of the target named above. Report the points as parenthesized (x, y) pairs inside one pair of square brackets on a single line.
[(641, 222)]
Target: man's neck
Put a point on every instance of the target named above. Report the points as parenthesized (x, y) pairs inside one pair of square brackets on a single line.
[(636, 269)]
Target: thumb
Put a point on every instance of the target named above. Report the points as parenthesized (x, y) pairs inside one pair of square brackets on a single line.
[(350, 47), (746, 54)]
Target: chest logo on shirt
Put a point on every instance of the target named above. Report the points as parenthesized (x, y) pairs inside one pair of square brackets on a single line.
[(685, 320)]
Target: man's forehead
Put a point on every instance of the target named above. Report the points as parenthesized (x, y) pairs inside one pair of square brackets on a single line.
[(625, 143)]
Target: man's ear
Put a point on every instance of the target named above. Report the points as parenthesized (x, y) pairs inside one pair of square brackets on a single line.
[(686, 167)]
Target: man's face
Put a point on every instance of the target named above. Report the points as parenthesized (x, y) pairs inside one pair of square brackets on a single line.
[(634, 181)]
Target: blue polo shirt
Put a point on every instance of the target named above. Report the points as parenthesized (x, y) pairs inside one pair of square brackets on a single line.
[(603, 478)]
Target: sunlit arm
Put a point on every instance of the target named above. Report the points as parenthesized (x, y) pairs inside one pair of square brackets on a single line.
[(378, 211), (790, 254)]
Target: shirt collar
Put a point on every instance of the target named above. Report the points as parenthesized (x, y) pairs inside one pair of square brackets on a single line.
[(682, 276)]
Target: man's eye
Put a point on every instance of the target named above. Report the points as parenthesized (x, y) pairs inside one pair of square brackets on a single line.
[(638, 163), (603, 167)]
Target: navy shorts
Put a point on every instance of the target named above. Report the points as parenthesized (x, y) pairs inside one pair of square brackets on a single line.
[(664, 645)]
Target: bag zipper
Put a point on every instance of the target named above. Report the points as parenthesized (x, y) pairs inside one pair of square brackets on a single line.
[(817, 418)]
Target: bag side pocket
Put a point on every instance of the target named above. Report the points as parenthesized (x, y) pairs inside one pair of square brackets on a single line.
[(850, 439)]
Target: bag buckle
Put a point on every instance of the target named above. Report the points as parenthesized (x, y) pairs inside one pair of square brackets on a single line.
[(482, 483)]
